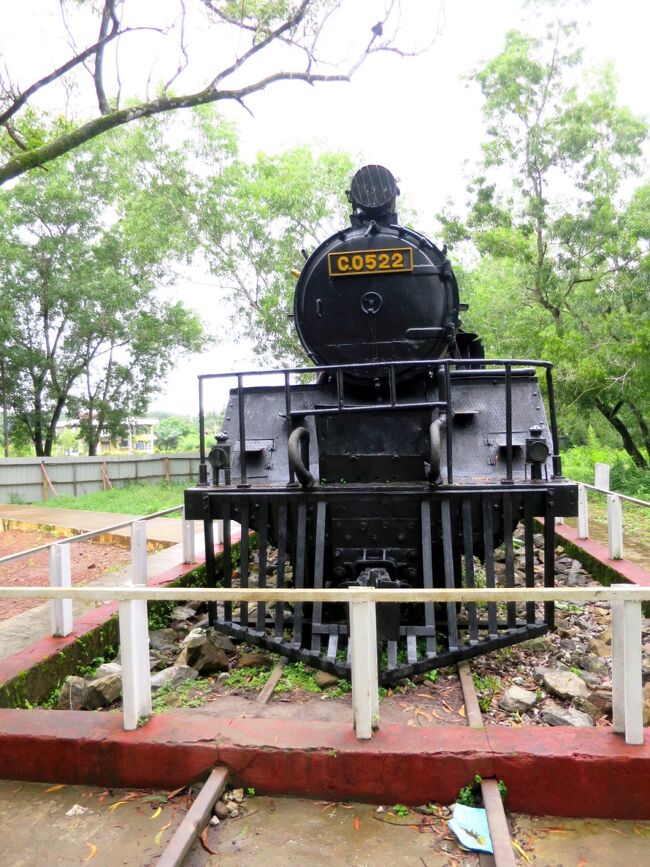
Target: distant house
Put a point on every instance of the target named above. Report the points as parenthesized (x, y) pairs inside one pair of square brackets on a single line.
[(139, 436)]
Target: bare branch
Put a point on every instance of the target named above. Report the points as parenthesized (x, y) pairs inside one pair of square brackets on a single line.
[(109, 19)]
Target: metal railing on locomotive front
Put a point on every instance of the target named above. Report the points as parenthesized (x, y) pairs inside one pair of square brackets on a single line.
[(445, 370)]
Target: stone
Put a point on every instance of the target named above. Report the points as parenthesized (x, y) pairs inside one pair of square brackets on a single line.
[(601, 698), (565, 684), (325, 680), (540, 644), (237, 795), (163, 640), (556, 715), (599, 648), (73, 693), (173, 676), (182, 612), (106, 669), (584, 705), (200, 653), (593, 663), (606, 636), (517, 699), (218, 639), (646, 705), (221, 810), (255, 660), (104, 691)]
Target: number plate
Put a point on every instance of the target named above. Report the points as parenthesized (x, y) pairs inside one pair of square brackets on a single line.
[(355, 262)]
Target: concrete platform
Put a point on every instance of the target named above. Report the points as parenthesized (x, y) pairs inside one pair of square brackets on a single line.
[(161, 532), (555, 771)]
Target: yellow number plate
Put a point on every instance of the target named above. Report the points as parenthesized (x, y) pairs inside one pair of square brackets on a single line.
[(355, 262)]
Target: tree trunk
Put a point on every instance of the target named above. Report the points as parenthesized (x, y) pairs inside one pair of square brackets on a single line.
[(643, 425), (611, 414)]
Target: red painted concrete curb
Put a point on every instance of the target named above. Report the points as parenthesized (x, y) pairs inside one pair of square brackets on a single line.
[(565, 772), (630, 572)]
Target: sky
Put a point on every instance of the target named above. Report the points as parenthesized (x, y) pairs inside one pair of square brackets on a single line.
[(419, 116)]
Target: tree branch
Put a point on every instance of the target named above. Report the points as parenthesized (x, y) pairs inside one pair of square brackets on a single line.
[(67, 142), (109, 19)]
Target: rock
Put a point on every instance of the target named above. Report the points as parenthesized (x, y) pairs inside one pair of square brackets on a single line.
[(599, 648), (556, 715), (106, 669), (237, 795), (517, 699), (163, 640), (645, 668), (73, 693), (646, 705), (200, 653), (592, 680), (325, 680), (584, 705), (157, 661), (196, 632), (182, 612), (104, 691), (565, 684), (173, 676), (218, 639), (602, 699), (221, 810), (593, 663), (255, 660), (541, 644), (606, 636)]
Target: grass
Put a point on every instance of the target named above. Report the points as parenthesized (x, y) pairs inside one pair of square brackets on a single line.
[(137, 499)]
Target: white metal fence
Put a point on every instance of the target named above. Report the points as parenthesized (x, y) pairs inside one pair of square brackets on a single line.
[(625, 602), (614, 510), (23, 480)]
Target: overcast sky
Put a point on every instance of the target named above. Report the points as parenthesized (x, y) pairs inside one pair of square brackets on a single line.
[(427, 142)]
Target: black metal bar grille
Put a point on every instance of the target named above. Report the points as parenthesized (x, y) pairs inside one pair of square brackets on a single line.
[(467, 539)]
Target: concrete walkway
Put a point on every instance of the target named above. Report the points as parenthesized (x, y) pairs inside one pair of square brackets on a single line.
[(165, 533), (161, 531)]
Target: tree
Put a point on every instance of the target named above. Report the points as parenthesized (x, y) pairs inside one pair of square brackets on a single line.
[(255, 220), (564, 252), (172, 430), (194, 52), (81, 249)]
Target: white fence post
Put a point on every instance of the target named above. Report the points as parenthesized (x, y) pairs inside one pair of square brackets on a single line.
[(60, 576), (365, 681), (189, 550), (218, 532), (583, 513), (615, 526), (139, 551), (601, 476), (627, 684), (134, 637)]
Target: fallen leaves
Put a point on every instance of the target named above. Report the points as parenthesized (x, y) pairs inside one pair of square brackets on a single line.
[(356, 823), (203, 837), (114, 806), (91, 854), (157, 813), (55, 788), (158, 836)]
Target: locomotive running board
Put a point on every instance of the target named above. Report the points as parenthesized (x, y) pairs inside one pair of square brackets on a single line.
[(430, 635)]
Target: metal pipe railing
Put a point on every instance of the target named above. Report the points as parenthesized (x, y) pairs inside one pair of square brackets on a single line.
[(509, 368)]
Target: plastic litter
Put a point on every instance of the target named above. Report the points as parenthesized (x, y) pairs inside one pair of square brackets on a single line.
[(470, 826)]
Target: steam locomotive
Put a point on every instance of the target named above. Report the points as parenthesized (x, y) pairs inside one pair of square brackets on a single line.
[(403, 458)]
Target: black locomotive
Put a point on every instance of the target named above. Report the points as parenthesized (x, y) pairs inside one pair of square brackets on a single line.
[(402, 459)]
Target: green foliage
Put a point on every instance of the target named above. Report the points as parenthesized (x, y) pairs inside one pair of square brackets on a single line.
[(190, 693), (563, 244), (132, 499), (625, 477), (159, 613), (176, 433), (400, 810), (486, 686), (247, 678), (82, 248), (255, 220)]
